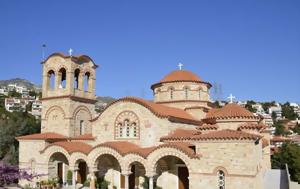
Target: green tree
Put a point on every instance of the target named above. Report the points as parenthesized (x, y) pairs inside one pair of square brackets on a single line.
[(267, 105), (279, 128), (290, 155), (249, 106), (14, 93), (288, 111)]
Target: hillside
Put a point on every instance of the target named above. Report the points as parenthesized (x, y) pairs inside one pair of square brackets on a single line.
[(21, 82)]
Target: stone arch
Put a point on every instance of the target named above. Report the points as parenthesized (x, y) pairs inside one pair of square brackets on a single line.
[(55, 149), (99, 151), (131, 158), (82, 107), (158, 154), (220, 168), (52, 108), (75, 156)]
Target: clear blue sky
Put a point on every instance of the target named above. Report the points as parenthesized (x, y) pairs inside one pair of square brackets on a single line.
[(251, 48)]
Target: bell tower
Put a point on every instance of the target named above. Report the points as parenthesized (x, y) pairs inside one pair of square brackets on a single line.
[(68, 95)]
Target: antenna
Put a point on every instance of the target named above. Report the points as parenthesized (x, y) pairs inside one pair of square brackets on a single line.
[(43, 52)]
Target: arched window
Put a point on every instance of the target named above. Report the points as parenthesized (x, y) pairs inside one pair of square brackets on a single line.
[(81, 127), (127, 125), (87, 81), (186, 92), (51, 79), (62, 77), (221, 179), (171, 93), (76, 78)]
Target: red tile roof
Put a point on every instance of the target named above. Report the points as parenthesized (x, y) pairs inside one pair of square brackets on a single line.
[(280, 139), (173, 114), (208, 127), (179, 76), (71, 147), (43, 136), (213, 135), (252, 126), (180, 134), (230, 111), (124, 147)]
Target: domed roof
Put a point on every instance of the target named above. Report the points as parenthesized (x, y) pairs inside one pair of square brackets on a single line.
[(230, 111), (180, 75)]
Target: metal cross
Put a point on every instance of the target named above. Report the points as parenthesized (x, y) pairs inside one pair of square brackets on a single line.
[(231, 97), (70, 51), (180, 66)]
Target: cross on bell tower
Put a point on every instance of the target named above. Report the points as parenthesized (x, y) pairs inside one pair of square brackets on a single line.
[(231, 97), (180, 65), (70, 51)]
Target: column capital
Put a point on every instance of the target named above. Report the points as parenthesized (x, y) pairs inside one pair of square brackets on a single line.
[(127, 173), (151, 174)]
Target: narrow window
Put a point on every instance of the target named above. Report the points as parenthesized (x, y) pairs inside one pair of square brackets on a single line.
[(76, 78), (86, 81), (171, 93), (62, 75), (81, 127), (186, 92), (199, 94), (221, 179), (51, 79)]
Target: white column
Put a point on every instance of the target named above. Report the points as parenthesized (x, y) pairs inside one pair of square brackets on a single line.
[(126, 181), (64, 173), (74, 179), (150, 182)]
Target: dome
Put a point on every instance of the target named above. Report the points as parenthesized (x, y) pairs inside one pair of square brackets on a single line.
[(179, 76), (230, 111)]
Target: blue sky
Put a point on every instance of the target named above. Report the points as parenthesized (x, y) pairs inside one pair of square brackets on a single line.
[(251, 48)]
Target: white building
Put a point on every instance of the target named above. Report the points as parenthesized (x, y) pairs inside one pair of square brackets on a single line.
[(259, 109), (20, 89), (296, 108), (278, 111), (36, 109), (3, 91), (15, 104)]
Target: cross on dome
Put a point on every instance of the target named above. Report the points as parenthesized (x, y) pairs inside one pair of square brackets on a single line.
[(231, 97), (70, 51), (180, 66)]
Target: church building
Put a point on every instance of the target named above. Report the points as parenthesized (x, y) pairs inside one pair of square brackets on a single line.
[(178, 140)]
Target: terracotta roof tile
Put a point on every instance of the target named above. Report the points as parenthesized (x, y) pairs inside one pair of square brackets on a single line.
[(226, 134), (180, 134), (124, 147), (213, 135), (280, 139), (179, 76), (173, 114), (42, 136), (71, 147), (230, 111), (208, 127)]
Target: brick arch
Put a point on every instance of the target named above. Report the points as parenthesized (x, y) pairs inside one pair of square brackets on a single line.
[(77, 156), (82, 107), (156, 155), (220, 168), (131, 158), (101, 150), (84, 71), (62, 66), (55, 149), (55, 107)]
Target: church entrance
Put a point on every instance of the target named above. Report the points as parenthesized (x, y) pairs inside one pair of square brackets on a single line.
[(171, 173), (82, 172), (137, 176), (56, 165), (183, 175)]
